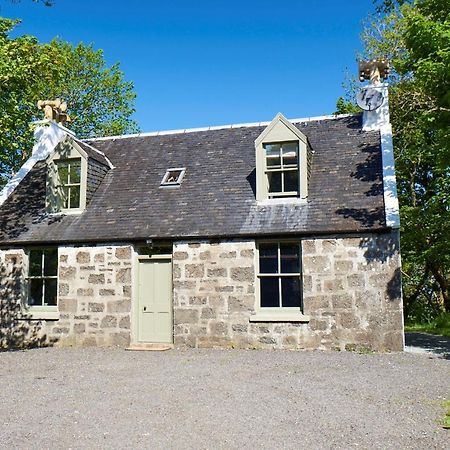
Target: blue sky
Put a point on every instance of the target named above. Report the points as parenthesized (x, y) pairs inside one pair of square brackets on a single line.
[(198, 63)]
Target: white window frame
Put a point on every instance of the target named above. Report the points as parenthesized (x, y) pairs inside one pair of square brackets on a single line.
[(279, 131), (280, 313), (69, 184), (282, 169), (65, 151), (49, 312), (164, 181)]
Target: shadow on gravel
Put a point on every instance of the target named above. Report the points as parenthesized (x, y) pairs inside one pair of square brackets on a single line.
[(429, 343)]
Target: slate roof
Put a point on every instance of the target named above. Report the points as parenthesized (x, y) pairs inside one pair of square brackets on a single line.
[(92, 153), (217, 195)]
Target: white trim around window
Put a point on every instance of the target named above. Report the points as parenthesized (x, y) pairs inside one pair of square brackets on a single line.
[(279, 282), (290, 174), (173, 176), (40, 290), (73, 184)]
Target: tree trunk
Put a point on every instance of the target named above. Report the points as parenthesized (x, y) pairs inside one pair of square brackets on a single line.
[(444, 286), (409, 301)]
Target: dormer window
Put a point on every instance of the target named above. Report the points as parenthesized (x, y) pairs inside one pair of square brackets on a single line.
[(282, 169), (282, 156), (173, 177), (69, 175), (67, 179)]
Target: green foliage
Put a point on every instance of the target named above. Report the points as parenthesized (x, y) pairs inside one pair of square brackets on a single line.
[(44, 2), (446, 420), (415, 37), (100, 101), (344, 106), (385, 6), (18, 64), (439, 324)]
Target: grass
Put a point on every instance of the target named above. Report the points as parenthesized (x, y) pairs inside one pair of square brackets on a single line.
[(446, 420), (440, 325)]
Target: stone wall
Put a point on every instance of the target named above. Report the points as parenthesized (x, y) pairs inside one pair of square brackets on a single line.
[(94, 299), (352, 291), (14, 332), (352, 295), (94, 295), (213, 295)]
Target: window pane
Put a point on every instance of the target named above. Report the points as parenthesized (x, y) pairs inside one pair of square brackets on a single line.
[(74, 196), (35, 293), (272, 154), (50, 292), (289, 152), (270, 295), (75, 172), (290, 258), (65, 195), (173, 176), (63, 172), (290, 291), (291, 181), (51, 262), (274, 181), (268, 258), (35, 263)]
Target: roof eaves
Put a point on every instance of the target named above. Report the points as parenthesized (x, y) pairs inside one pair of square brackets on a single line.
[(357, 231)]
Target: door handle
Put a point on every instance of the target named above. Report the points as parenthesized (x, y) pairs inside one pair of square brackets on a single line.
[(145, 308)]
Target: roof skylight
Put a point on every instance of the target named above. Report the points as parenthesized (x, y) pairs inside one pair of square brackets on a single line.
[(173, 177)]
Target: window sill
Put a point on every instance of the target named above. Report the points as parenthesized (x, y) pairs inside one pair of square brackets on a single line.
[(31, 314), (283, 201), (280, 317), (67, 212)]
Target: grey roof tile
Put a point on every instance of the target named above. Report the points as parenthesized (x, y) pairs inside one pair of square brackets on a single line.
[(216, 197)]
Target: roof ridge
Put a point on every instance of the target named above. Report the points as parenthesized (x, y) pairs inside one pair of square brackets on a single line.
[(218, 127)]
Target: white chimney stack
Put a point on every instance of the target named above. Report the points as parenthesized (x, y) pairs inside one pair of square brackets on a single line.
[(373, 98)]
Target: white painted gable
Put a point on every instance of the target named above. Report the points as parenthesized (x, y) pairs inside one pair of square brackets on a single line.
[(48, 135)]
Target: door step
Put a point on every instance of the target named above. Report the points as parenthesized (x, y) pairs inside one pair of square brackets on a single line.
[(145, 346)]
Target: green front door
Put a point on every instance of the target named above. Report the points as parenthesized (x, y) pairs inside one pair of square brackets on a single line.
[(155, 301)]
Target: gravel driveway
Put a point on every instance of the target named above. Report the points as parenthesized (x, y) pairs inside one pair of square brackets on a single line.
[(214, 399)]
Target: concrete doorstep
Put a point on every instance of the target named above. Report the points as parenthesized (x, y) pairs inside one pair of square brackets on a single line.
[(151, 347)]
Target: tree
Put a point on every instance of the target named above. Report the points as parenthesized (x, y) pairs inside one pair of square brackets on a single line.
[(100, 101), (44, 2), (346, 106), (415, 37)]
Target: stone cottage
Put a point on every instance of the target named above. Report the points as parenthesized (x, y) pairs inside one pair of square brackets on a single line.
[(263, 235)]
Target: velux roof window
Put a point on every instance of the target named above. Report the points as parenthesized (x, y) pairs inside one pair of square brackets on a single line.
[(173, 177)]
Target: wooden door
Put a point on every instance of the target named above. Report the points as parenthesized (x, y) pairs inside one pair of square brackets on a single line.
[(155, 301)]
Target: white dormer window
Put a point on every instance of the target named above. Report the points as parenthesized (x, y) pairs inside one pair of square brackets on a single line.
[(69, 176), (173, 177), (67, 179), (281, 161), (282, 174)]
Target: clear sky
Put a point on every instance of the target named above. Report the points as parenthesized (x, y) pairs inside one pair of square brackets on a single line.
[(198, 63)]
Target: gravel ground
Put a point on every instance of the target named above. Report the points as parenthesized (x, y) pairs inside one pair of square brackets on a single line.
[(221, 399)]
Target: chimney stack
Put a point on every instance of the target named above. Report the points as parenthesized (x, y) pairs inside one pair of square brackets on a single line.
[(373, 98), (54, 110)]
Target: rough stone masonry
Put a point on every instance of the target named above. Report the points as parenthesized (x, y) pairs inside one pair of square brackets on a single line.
[(94, 299), (351, 292)]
